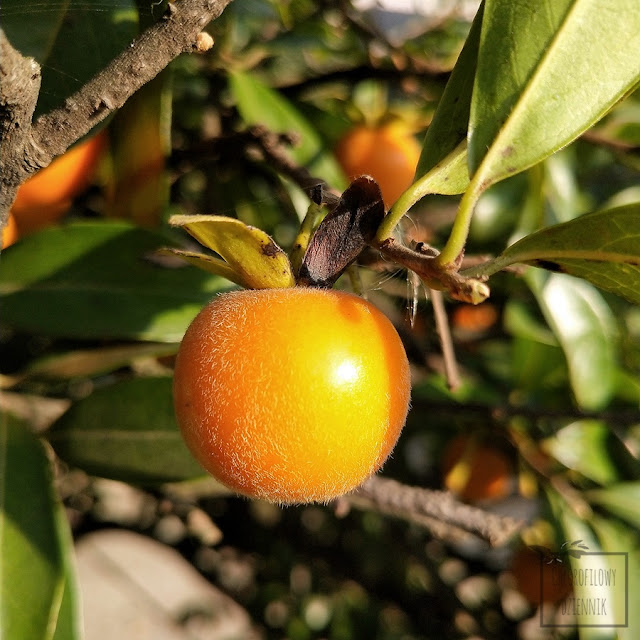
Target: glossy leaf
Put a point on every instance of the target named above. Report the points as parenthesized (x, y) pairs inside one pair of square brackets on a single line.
[(592, 622), (252, 256), (259, 104), (126, 431), (594, 450), (72, 40), (444, 145), (69, 624), (622, 500), (34, 540), (586, 329), (100, 280), (547, 71), (602, 247), (617, 538)]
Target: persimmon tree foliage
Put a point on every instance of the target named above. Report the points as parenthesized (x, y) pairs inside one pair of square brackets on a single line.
[(222, 120)]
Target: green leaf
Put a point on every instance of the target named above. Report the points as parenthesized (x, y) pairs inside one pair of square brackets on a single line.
[(617, 537), (34, 539), (33, 30), (445, 142), (586, 329), (72, 40), (622, 500), (593, 449), (520, 322), (547, 71), (127, 432), (256, 261), (602, 247), (595, 624), (69, 624), (98, 280), (259, 104)]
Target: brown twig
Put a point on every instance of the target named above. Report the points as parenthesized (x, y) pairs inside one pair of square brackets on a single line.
[(19, 87), (422, 261), (33, 145), (446, 343), (502, 413), (439, 511), (273, 147)]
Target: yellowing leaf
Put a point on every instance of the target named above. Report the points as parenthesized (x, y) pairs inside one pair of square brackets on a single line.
[(207, 263), (250, 256)]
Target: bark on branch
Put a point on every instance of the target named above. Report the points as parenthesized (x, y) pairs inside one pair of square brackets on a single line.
[(27, 146), (438, 511)]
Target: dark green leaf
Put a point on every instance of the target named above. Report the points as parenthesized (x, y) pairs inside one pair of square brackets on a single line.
[(34, 539), (547, 71), (72, 40), (594, 450), (623, 500), (127, 432), (33, 30), (98, 280), (69, 624), (618, 538), (593, 622)]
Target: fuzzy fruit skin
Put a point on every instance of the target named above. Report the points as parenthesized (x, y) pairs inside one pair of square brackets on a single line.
[(45, 197), (291, 395), (388, 153)]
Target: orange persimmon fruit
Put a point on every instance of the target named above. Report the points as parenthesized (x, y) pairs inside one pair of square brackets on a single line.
[(476, 471), (45, 197), (538, 579), (389, 153), (471, 318), (291, 395)]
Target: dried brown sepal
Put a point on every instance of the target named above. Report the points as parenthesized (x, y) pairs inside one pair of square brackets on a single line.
[(343, 234)]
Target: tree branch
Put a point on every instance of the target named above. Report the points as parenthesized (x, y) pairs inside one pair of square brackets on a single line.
[(31, 146), (422, 261), (438, 511), (19, 87)]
